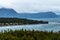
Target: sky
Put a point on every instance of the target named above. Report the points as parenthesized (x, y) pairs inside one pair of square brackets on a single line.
[(32, 5)]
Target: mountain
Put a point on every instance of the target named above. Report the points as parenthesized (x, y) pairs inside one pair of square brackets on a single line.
[(5, 12), (10, 13), (39, 15), (58, 16)]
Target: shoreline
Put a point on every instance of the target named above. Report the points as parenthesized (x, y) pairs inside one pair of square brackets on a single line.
[(19, 21), (22, 24)]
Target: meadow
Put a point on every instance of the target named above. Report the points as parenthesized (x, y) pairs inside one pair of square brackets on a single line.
[(29, 35)]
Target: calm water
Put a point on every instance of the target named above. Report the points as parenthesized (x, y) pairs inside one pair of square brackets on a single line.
[(49, 19), (53, 25)]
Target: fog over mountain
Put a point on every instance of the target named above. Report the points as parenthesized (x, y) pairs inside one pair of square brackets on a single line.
[(32, 5)]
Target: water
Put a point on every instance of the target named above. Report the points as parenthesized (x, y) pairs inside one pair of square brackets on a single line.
[(48, 19), (51, 26)]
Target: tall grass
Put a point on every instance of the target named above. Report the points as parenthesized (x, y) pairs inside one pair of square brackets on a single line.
[(29, 35)]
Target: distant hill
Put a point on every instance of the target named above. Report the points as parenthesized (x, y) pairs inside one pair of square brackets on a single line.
[(58, 16), (10, 13), (39, 15), (4, 12)]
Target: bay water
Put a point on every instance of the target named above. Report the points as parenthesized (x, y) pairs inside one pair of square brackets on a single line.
[(53, 25)]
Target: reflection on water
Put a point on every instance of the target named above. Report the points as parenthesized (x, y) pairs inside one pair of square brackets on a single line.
[(41, 27)]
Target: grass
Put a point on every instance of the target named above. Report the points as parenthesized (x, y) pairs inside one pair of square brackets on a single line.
[(29, 35)]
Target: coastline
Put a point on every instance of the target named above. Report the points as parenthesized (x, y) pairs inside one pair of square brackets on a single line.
[(19, 21)]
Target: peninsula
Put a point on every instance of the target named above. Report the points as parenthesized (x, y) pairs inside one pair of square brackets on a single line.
[(19, 21)]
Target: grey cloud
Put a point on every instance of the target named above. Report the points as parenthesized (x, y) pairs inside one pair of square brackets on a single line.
[(32, 5)]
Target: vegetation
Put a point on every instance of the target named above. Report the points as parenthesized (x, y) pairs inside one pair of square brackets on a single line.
[(18, 21), (29, 35)]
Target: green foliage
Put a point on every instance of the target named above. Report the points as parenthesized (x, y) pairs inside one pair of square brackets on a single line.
[(18, 21), (29, 35)]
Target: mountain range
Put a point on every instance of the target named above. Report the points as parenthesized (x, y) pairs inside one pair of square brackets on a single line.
[(11, 13)]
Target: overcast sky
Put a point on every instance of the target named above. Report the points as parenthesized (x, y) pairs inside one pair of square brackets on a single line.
[(32, 5)]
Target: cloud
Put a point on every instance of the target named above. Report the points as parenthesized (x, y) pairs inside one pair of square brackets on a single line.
[(31, 5)]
